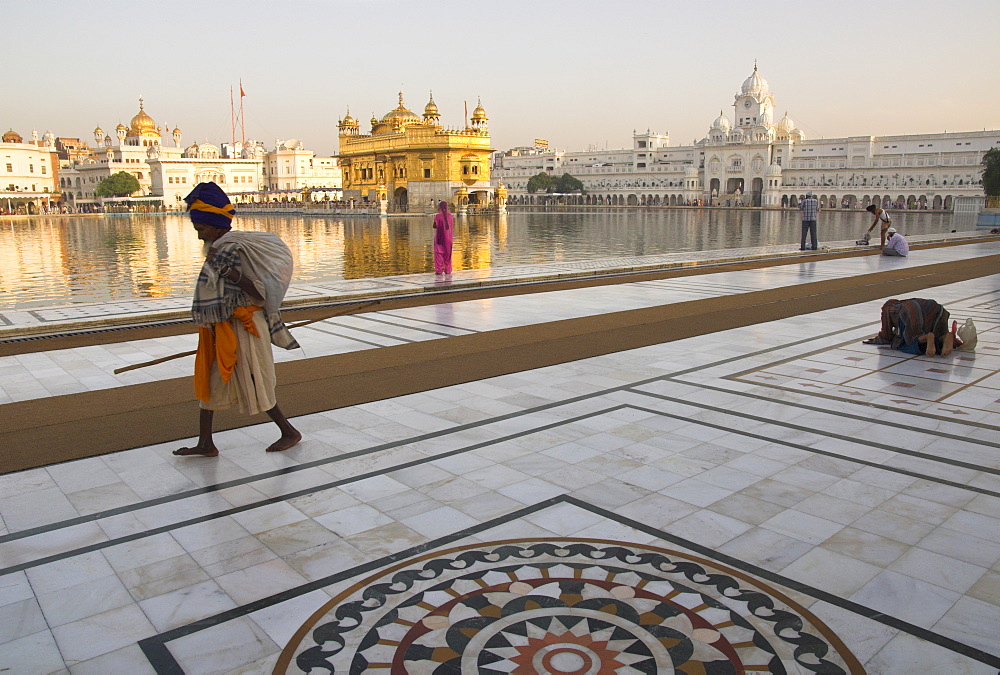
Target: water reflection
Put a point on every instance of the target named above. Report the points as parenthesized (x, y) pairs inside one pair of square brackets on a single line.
[(77, 259)]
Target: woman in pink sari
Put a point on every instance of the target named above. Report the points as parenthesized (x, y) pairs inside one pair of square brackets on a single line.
[(443, 229)]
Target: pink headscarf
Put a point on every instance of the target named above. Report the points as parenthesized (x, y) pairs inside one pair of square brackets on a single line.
[(446, 218)]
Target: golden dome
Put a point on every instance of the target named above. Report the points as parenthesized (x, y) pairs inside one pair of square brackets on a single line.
[(12, 137), (480, 112), (142, 124), (348, 121), (99, 131), (401, 116), (176, 130), (431, 109), (121, 127)]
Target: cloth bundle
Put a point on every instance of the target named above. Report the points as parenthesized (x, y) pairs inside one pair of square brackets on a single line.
[(260, 256)]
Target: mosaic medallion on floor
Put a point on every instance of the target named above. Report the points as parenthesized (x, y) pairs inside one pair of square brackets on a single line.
[(563, 606)]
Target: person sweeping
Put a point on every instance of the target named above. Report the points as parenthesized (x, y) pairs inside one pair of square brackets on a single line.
[(236, 306)]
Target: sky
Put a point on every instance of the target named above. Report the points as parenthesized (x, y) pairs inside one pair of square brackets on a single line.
[(578, 73)]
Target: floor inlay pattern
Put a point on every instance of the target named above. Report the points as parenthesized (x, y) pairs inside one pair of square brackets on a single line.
[(564, 606)]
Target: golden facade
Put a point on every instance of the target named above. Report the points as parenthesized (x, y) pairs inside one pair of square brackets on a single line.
[(414, 161)]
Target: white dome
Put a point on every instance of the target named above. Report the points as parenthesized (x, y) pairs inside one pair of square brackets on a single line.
[(755, 84), (690, 171), (785, 124), (722, 122), (774, 170)]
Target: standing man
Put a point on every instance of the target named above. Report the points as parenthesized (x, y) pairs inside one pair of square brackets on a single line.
[(810, 209), (236, 306), (895, 244)]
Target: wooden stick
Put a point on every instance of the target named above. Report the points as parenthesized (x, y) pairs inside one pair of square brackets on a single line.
[(136, 366)]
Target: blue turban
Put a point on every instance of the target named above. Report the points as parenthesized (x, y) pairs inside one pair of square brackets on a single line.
[(209, 205)]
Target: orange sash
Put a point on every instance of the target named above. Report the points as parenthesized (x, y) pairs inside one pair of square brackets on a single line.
[(218, 343)]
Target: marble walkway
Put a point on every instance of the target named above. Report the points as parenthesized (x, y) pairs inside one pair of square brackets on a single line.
[(779, 498)]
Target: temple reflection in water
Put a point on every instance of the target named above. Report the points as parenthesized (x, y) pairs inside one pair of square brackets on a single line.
[(78, 259)]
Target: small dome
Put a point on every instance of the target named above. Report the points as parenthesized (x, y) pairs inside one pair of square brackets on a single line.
[(176, 130), (690, 171), (785, 124), (191, 150), (431, 109), (722, 122), (12, 137), (121, 127), (401, 116), (480, 112), (774, 170), (755, 84)]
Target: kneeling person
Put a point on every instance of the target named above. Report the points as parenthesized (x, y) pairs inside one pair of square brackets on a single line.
[(236, 306)]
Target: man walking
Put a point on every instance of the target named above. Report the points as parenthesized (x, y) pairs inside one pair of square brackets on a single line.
[(810, 209), (236, 306)]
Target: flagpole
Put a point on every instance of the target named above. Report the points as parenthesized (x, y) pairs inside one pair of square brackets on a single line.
[(243, 127), (232, 118)]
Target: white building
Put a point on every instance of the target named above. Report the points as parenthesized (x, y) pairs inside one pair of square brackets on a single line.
[(754, 160), (167, 172), (29, 173), (291, 167)]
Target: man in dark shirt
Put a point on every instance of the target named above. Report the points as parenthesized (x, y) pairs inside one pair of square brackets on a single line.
[(810, 208)]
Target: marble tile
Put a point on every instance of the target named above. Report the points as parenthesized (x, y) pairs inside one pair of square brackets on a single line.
[(232, 555), (101, 633), (67, 572), (908, 654), (832, 572), (223, 648), (185, 605), (326, 559), (800, 525), (82, 600), (259, 581), (268, 517), (865, 546), (125, 660), (280, 621), (162, 577), (385, 539), (709, 528), (439, 522), (20, 619), (353, 520), (906, 598), (35, 653), (939, 569), (766, 548), (745, 508), (296, 537)]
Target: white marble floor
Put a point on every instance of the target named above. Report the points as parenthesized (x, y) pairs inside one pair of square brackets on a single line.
[(860, 484)]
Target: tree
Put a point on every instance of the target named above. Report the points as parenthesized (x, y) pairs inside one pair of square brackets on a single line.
[(540, 181), (566, 183), (991, 172), (121, 184)]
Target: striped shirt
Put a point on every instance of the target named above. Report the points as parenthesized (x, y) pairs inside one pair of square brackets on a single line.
[(809, 207), (898, 243)]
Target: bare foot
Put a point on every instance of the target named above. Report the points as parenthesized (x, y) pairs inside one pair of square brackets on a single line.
[(197, 451), (948, 344), (285, 442), (931, 345)]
